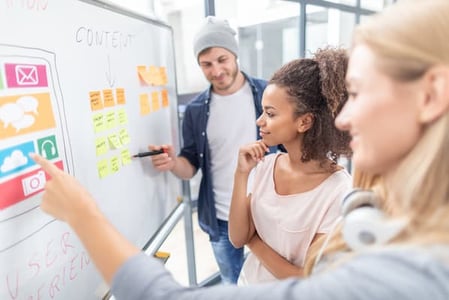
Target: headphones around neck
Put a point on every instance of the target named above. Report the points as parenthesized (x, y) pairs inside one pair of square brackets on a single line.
[(364, 224)]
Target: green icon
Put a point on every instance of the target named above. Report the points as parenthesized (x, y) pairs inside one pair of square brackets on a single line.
[(47, 147)]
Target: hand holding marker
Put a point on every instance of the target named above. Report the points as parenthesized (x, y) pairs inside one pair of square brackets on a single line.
[(150, 153)]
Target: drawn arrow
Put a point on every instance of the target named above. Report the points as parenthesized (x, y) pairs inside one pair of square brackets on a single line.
[(109, 77)]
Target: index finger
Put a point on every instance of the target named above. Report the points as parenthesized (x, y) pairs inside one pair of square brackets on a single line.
[(46, 165)]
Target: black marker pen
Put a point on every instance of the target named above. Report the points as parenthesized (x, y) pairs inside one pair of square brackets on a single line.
[(149, 153)]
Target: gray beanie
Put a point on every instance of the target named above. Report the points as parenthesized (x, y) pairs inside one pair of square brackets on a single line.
[(215, 32)]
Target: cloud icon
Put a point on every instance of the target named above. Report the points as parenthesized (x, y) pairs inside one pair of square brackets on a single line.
[(17, 114), (14, 161), (9, 113)]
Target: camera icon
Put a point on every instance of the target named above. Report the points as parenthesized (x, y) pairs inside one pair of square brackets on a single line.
[(34, 183)]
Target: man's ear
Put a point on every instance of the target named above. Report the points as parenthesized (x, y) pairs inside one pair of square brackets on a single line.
[(436, 99), (305, 122)]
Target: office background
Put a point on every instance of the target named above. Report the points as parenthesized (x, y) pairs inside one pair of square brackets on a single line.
[(270, 33)]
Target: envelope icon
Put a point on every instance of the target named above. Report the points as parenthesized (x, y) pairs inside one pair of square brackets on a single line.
[(26, 75)]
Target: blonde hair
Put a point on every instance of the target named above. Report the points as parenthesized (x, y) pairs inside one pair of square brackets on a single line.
[(405, 48)]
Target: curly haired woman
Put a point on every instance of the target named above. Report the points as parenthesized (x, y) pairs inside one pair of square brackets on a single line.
[(295, 197)]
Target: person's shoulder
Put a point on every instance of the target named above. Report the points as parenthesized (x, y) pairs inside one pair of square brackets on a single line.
[(268, 160), (343, 174), (199, 99), (406, 273), (254, 81), (429, 261), (341, 182)]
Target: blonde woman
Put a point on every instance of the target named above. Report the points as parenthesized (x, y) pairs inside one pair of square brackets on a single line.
[(398, 117)]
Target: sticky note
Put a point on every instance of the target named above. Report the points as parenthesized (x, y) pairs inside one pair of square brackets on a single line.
[(120, 94), (98, 122), (114, 164), (114, 141), (108, 98), (154, 74), (144, 104), (145, 77), (103, 168), (124, 136), (164, 94), (122, 117), (95, 100), (155, 101), (110, 120), (101, 146), (126, 157), (163, 75)]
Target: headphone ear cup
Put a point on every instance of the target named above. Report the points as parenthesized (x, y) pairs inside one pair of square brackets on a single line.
[(364, 224), (361, 227), (358, 198)]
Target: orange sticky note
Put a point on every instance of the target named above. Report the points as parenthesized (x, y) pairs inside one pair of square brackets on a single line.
[(95, 100), (165, 102), (144, 104), (144, 75), (108, 98), (155, 101), (120, 94), (163, 75)]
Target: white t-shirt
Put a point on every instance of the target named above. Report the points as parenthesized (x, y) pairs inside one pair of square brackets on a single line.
[(232, 123), (288, 223)]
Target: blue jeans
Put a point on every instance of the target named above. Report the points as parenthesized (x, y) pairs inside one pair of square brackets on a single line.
[(229, 259)]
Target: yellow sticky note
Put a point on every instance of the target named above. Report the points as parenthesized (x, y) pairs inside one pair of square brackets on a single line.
[(120, 94), (155, 101), (124, 136), (108, 98), (114, 141), (144, 104), (95, 100), (126, 157), (101, 146), (103, 168), (122, 117), (110, 120), (98, 121), (114, 164)]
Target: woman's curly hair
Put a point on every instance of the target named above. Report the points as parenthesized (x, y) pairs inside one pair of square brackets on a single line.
[(317, 86)]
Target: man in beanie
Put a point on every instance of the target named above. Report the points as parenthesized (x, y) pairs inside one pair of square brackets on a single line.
[(216, 123)]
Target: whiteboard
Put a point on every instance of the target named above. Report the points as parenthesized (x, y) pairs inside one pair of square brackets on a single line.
[(87, 85)]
